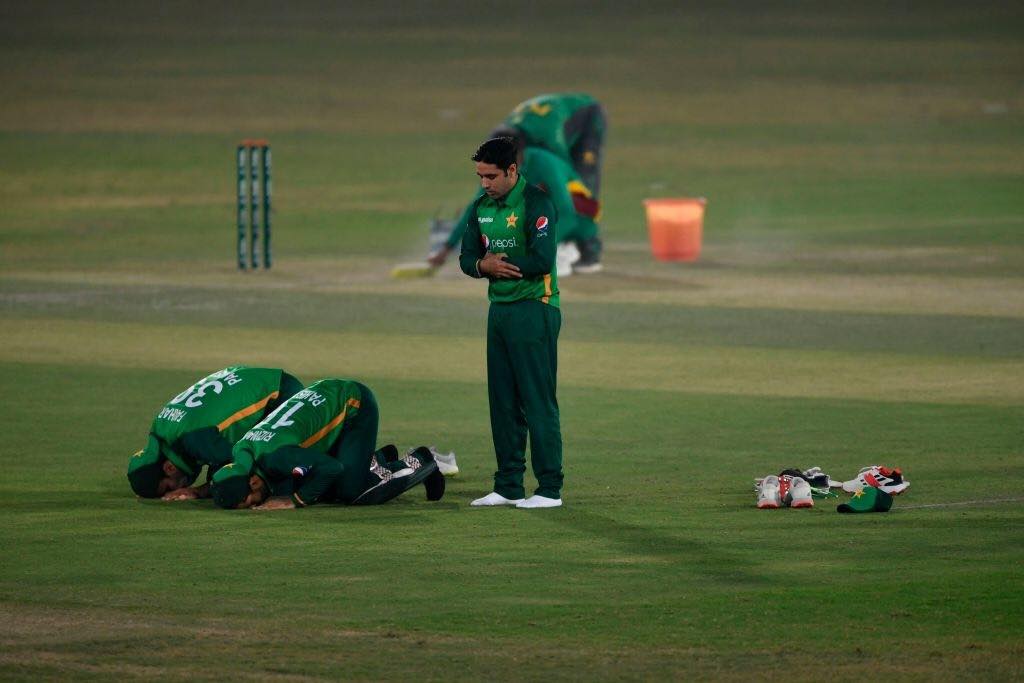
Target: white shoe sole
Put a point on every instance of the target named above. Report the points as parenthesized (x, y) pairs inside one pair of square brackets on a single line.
[(492, 501), (894, 490), (539, 502)]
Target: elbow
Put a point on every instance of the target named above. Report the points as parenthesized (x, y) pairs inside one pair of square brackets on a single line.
[(470, 266), (536, 267)]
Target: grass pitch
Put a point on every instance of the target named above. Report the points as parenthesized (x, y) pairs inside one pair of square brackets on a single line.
[(859, 301)]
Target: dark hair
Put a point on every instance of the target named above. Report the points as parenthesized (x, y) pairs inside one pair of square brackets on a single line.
[(499, 151)]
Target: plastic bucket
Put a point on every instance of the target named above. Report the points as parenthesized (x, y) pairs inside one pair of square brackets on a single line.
[(675, 227)]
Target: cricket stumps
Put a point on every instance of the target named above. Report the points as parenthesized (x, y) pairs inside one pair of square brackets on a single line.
[(253, 169)]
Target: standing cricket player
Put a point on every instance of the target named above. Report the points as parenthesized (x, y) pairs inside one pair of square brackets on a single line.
[(318, 447), (578, 209), (560, 137), (201, 425), (509, 240)]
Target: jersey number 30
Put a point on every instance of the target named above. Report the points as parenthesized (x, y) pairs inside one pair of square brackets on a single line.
[(193, 396)]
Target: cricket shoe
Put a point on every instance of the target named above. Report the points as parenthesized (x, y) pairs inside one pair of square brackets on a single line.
[(540, 502), (768, 493), (566, 254), (814, 476), (445, 462), (386, 454), (888, 479), (818, 479), (798, 492), (494, 499), (590, 257)]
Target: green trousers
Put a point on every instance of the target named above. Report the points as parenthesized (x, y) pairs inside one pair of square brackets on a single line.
[(522, 364), (355, 447)]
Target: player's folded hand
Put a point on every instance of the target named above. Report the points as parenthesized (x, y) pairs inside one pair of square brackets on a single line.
[(494, 265)]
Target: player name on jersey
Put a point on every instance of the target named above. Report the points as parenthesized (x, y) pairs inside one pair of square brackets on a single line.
[(172, 414)]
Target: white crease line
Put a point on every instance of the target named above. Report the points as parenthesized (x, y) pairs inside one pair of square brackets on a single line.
[(964, 503)]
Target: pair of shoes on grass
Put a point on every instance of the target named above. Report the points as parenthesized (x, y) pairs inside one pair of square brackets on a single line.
[(494, 499), (790, 491)]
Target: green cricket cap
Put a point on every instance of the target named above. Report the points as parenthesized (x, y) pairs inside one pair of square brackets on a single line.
[(144, 470), (867, 499), (230, 484)]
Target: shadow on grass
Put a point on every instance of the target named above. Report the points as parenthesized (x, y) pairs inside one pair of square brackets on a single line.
[(690, 555)]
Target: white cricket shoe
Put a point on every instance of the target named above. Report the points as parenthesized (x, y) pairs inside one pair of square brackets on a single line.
[(768, 495), (540, 502), (888, 479), (799, 493), (445, 461), (566, 254), (493, 499)]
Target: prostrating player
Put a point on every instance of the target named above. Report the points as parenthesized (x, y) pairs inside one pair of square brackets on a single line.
[(560, 138), (508, 241), (201, 425), (318, 447)]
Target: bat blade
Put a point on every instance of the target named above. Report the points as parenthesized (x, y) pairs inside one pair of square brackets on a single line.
[(412, 270)]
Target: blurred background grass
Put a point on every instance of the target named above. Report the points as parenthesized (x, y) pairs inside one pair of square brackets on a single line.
[(859, 299)]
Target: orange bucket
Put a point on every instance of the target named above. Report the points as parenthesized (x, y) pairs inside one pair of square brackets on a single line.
[(675, 227)]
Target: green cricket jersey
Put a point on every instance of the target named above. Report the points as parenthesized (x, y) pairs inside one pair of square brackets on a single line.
[(295, 438), (305, 475), (199, 425), (542, 120), (522, 225), (312, 418), (578, 211)]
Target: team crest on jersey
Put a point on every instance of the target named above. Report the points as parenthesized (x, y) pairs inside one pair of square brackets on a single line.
[(542, 226)]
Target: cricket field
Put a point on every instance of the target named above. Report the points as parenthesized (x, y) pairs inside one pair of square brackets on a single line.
[(859, 300)]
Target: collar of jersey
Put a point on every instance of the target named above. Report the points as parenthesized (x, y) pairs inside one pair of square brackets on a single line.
[(514, 195)]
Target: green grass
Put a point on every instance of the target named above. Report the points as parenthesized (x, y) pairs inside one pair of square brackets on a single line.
[(860, 299)]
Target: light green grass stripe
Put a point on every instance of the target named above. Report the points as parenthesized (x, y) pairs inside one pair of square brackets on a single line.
[(662, 367)]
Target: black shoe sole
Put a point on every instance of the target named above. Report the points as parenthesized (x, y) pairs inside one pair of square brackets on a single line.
[(387, 454), (434, 484)]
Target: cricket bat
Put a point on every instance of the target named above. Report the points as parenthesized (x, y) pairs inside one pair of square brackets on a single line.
[(412, 270)]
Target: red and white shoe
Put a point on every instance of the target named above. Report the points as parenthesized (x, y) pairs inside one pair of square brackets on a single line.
[(799, 494), (768, 495), (888, 479)]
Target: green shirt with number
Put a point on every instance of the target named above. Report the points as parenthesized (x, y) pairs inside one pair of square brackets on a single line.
[(299, 435), (313, 418), (523, 226), (199, 425)]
